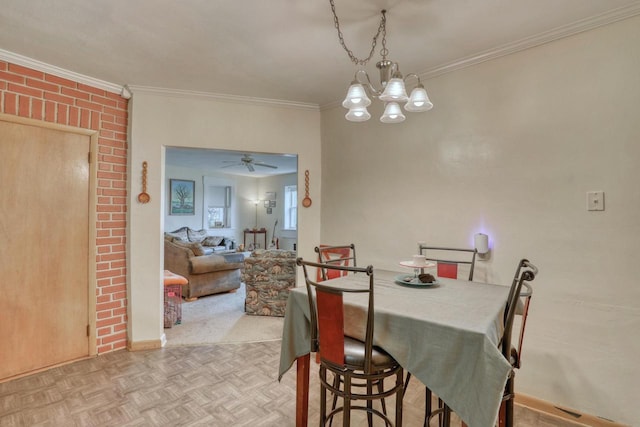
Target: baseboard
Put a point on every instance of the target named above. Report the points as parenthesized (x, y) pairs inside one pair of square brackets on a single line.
[(568, 414), (144, 345)]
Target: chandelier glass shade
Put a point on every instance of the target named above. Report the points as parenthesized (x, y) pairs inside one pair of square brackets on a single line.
[(393, 90)]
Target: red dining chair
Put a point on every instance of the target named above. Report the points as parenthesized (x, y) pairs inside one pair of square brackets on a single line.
[(341, 255), (517, 304), (448, 260), (347, 358)]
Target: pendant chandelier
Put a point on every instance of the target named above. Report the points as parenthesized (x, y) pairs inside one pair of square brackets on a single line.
[(393, 91)]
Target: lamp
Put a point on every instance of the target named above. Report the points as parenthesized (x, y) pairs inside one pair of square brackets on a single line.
[(393, 91)]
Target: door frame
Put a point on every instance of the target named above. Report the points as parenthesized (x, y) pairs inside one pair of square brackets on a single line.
[(92, 233)]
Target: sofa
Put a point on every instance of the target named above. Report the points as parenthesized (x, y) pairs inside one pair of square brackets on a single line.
[(268, 276), (207, 274), (210, 244)]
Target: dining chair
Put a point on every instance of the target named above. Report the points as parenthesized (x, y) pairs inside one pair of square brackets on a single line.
[(344, 255), (517, 304), (448, 260), (350, 359)]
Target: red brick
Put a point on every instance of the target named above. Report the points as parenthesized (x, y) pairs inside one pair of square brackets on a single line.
[(88, 105), (24, 90), (111, 192), (103, 314), (113, 159), (109, 208), (19, 69), (107, 322), (113, 289), (3, 65), (91, 89), (103, 298), (102, 349), (119, 264), (108, 306), (39, 84), (114, 257), (36, 109), (73, 93), (110, 175), (106, 133), (104, 101), (95, 120), (123, 327), (50, 111), (104, 274), (102, 266), (84, 118), (114, 127), (11, 103), (103, 331), (24, 106), (60, 81), (62, 114), (120, 345), (104, 183), (116, 112), (74, 116), (58, 98), (3, 86), (12, 77)]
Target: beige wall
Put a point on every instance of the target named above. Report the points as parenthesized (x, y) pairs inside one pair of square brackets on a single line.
[(511, 148), (159, 120)]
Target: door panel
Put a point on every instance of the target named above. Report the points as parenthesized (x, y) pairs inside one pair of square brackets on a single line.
[(44, 229)]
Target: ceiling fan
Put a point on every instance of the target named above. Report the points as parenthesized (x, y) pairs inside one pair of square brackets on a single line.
[(247, 161)]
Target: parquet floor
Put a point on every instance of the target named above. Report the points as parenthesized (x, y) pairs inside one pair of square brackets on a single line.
[(212, 385)]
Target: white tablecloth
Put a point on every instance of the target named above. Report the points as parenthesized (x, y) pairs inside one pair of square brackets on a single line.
[(446, 336)]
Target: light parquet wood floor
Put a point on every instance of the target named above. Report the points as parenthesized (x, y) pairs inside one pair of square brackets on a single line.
[(211, 385)]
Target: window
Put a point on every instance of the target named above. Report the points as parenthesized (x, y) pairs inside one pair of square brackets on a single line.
[(218, 205), (290, 207)]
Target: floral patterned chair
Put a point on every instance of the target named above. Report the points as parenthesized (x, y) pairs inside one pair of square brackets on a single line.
[(268, 275)]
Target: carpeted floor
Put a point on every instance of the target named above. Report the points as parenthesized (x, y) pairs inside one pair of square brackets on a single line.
[(220, 318)]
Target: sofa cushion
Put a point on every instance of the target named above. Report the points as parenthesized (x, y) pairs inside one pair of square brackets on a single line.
[(180, 234), (195, 247), (209, 263), (196, 235), (212, 240)]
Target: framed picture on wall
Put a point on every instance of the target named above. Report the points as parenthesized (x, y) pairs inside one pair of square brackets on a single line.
[(181, 197)]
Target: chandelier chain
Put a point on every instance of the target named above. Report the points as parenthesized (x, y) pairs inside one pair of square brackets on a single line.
[(381, 30)]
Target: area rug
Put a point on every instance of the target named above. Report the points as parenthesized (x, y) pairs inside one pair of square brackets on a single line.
[(220, 318)]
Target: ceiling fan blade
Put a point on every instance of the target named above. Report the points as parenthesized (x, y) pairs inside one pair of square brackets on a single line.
[(250, 167), (265, 165), (232, 164)]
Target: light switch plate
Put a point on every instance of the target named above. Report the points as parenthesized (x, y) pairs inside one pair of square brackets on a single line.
[(595, 200)]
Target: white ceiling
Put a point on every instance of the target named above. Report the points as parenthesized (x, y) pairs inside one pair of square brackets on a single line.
[(279, 49), (227, 161), (283, 50)]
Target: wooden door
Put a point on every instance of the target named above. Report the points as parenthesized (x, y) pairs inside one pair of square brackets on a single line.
[(44, 247)]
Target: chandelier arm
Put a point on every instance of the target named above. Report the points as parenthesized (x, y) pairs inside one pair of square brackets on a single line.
[(412, 75), (381, 29), (367, 84)]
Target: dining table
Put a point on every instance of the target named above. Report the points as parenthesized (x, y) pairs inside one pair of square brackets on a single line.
[(445, 334)]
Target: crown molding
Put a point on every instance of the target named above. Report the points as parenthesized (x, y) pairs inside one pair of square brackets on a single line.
[(24, 61), (577, 27), (537, 40), (179, 93)]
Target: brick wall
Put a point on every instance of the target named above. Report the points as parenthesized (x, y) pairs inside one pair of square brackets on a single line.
[(34, 94)]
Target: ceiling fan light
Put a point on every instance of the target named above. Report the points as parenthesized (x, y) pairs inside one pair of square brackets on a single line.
[(358, 114), (419, 100), (392, 113), (356, 97), (394, 91)]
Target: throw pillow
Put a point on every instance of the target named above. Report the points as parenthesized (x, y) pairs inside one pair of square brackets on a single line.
[(213, 241), (180, 234), (196, 235), (194, 247)]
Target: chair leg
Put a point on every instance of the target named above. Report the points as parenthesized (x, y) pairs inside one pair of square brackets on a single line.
[(346, 411), (427, 406), (369, 404), (323, 397), (380, 390), (399, 398)]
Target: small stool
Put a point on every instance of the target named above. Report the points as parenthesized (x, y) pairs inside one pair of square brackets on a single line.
[(173, 298)]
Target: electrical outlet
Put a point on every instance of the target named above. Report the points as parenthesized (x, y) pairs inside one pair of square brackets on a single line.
[(595, 200)]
